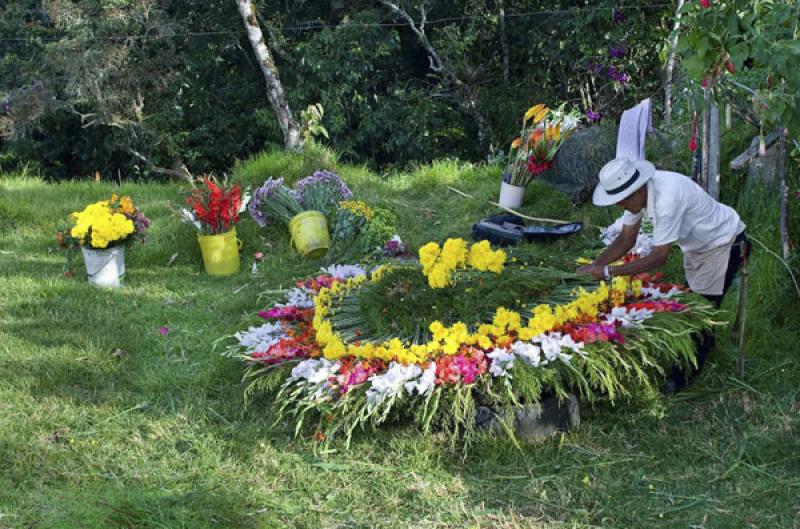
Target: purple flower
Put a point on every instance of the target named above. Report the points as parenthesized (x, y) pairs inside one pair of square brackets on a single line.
[(395, 248), (594, 68), (140, 222), (617, 52), (324, 178), (163, 331), (260, 195), (616, 75), (593, 116), (617, 15)]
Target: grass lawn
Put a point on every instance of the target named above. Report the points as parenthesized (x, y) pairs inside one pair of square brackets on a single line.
[(158, 436)]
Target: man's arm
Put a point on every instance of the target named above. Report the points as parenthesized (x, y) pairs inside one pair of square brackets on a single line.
[(657, 258), (621, 246)]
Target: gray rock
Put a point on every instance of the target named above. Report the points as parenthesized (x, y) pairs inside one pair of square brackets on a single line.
[(547, 417), (580, 159), (537, 421)]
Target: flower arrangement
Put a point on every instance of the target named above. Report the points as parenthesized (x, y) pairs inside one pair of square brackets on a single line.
[(215, 206), (360, 231), (324, 358), (543, 133), (106, 223), (274, 202)]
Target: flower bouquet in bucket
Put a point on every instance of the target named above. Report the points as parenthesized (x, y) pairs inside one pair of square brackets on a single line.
[(101, 230), (215, 209), (304, 209), (543, 133)]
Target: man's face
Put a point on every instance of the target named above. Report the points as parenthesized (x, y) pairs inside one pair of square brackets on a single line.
[(636, 202)]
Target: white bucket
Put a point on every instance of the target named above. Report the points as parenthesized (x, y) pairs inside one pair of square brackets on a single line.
[(511, 196), (105, 268)]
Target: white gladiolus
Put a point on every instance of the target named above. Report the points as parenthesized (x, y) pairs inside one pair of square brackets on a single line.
[(315, 371), (426, 382), (391, 383), (656, 294), (298, 297), (344, 271), (502, 361), (260, 339), (628, 317)]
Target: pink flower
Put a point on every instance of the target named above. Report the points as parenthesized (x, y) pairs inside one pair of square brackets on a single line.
[(705, 3), (163, 331), (259, 256)]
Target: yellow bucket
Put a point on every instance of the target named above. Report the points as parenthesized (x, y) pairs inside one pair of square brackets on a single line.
[(220, 253), (309, 231)]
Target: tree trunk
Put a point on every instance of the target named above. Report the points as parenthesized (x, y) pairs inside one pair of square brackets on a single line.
[(504, 40), (292, 139), (671, 67)]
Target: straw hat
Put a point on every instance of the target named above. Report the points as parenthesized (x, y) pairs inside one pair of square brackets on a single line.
[(620, 178)]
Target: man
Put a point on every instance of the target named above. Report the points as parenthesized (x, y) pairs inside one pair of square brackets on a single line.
[(711, 235)]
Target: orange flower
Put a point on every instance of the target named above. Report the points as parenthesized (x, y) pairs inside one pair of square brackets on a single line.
[(126, 205), (516, 143), (535, 136)]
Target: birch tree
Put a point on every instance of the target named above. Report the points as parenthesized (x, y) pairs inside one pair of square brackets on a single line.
[(292, 139)]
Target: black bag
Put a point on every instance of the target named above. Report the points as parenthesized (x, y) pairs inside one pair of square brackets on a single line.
[(506, 229)]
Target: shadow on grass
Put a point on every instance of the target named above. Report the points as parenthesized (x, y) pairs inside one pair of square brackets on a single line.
[(180, 504)]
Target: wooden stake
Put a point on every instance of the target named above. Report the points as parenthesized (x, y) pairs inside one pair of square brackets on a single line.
[(784, 193), (728, 116), (537, 219), (741, 315)]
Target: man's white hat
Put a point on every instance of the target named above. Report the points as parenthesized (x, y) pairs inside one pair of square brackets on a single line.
[(620, 178)]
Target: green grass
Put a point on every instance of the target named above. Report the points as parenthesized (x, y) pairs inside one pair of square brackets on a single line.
[(159, 437)]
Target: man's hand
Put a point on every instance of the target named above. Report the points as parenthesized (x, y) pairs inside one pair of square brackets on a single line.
[(592, 270)]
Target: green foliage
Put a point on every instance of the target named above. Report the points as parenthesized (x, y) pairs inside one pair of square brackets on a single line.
[(186, 89), (750, 48)]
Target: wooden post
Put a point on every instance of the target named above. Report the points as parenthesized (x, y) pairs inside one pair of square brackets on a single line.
[(741, 313), (704, 142), (784, 193), (728, 116), (712, 184)]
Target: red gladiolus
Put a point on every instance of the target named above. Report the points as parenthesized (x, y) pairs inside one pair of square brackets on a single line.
[(730, 67), (705, 3), (213, 206)]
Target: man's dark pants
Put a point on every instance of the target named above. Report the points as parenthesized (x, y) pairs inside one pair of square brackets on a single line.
[(705, 341)]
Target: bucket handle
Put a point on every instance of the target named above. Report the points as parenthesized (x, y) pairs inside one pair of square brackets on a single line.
[(100, 267), (239, 243)]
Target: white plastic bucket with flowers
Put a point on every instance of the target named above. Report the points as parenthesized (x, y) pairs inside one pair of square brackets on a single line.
[(102, 230)]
